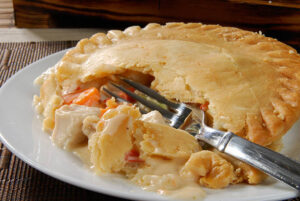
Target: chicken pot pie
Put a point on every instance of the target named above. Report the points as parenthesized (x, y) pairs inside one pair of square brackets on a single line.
[(248, 84)]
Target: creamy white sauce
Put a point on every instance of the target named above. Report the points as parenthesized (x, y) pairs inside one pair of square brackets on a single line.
[(82, 152), (162, 176), (190, 192)]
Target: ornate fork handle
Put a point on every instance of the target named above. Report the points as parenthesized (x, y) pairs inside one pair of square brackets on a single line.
[(270, 162)]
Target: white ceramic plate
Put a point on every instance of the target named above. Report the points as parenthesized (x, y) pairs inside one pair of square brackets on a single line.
[(20, 131)]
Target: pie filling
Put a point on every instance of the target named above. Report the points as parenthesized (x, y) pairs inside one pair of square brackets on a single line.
[(113, 137)]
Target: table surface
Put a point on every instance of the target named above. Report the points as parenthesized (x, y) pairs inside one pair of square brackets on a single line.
[(6, 14), (8, 32)]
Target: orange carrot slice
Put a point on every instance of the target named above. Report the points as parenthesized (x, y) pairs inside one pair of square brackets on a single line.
[(68, 98), (88, 97)]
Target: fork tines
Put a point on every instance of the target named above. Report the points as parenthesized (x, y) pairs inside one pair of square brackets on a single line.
[(151, 105), (176, 112), (114, 95), (150, 92)]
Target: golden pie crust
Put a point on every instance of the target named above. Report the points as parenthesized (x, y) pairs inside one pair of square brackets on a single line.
[(252, 82)]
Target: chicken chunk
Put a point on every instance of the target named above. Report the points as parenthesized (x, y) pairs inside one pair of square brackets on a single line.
[(67, 132)]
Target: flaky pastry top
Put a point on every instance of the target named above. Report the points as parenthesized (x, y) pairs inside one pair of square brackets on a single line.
[(252, 82)]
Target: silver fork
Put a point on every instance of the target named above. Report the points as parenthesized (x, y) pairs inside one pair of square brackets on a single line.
[(268, 161)]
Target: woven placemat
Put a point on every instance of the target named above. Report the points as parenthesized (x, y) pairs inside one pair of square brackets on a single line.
[(18, 181)]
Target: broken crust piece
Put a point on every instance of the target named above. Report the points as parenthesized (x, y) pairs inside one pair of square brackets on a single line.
[(49, 100), (210, 169), (243, 171), (165, 141), (113, 139)]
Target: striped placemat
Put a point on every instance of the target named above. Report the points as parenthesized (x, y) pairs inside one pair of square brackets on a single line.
[(18, 181)]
